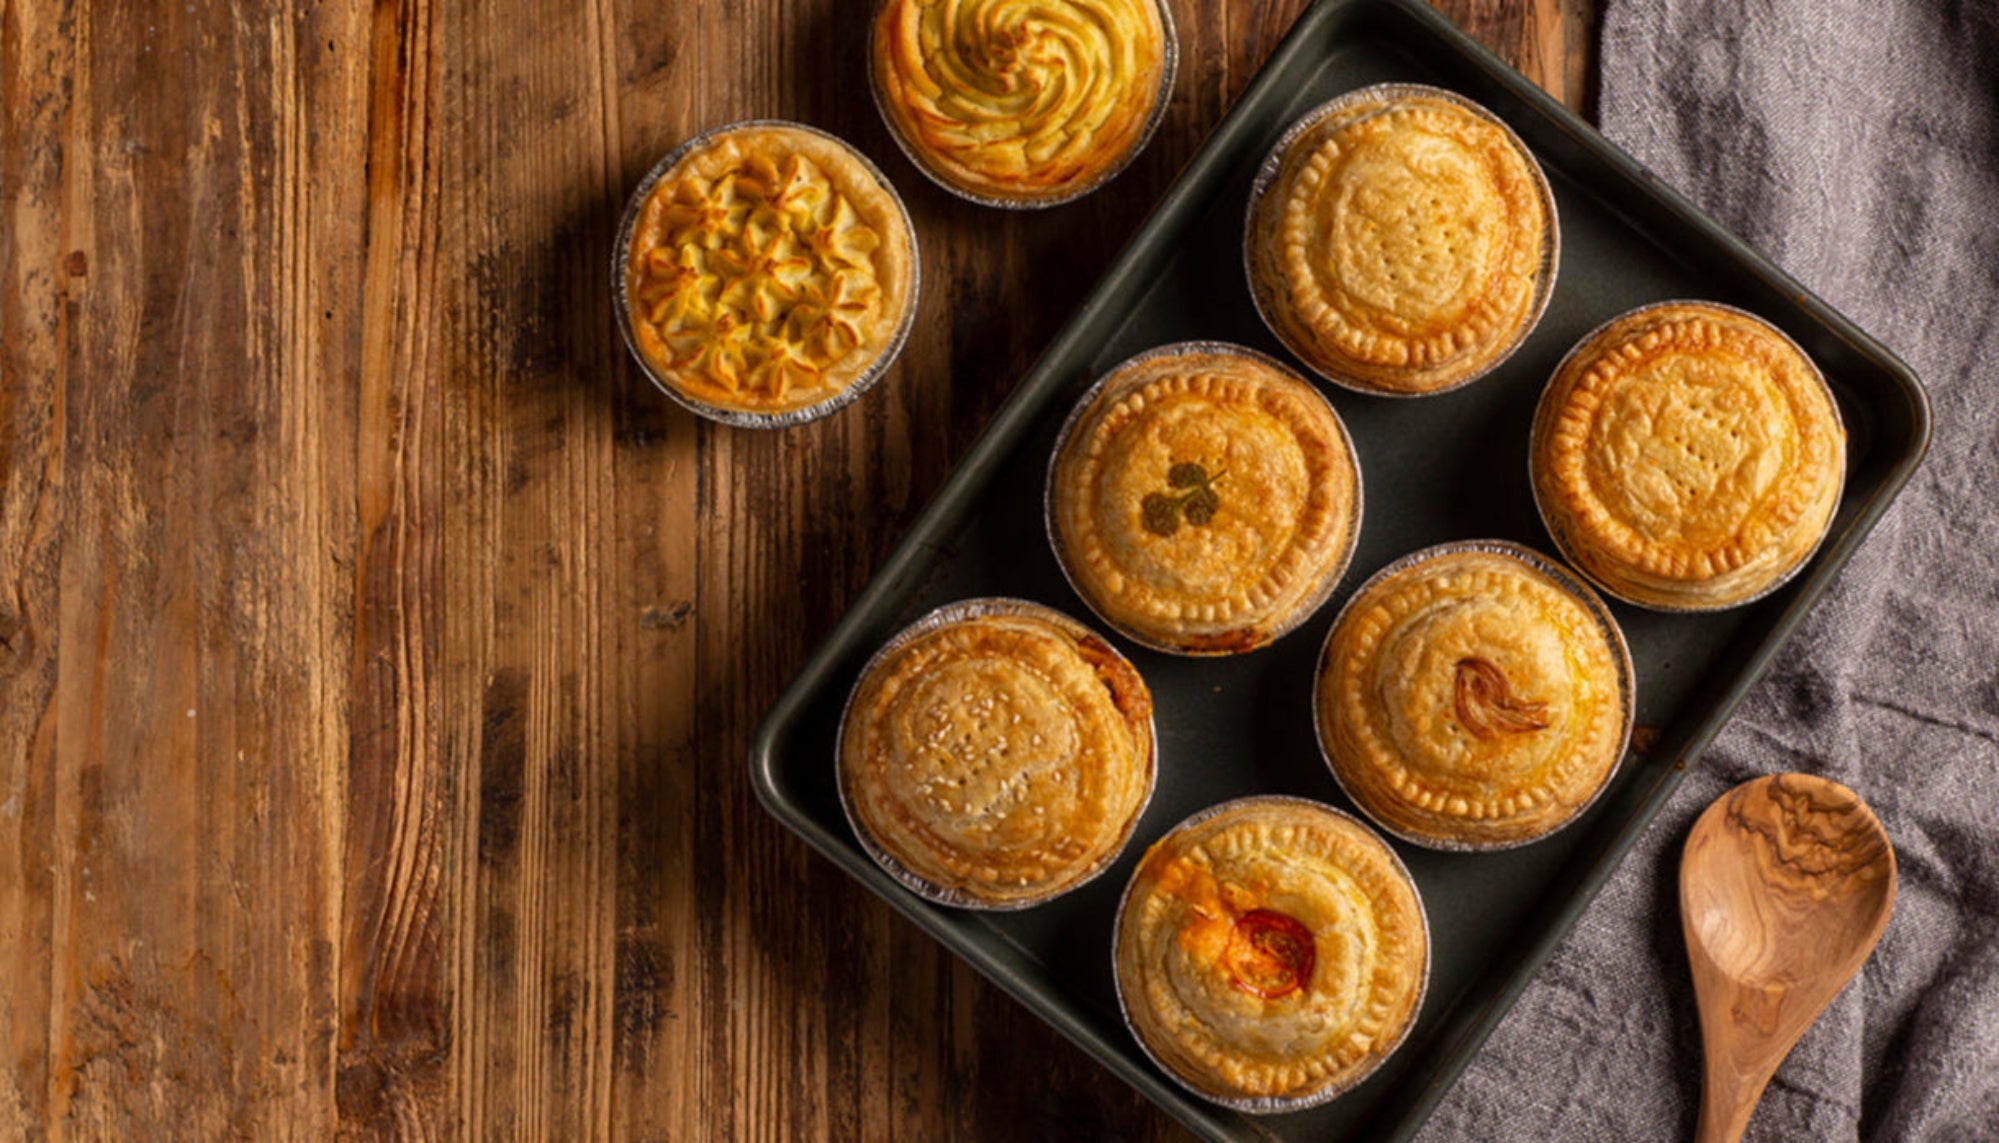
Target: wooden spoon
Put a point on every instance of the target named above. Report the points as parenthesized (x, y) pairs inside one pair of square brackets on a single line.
[(1785, 886)]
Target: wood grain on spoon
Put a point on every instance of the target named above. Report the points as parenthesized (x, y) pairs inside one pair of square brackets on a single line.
[(1785, 887)]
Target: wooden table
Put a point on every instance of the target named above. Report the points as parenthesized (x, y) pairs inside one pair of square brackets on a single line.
[(379, 652)]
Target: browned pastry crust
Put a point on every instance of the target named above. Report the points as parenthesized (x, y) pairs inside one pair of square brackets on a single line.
[(1404, 244), (1271, 953), (1021, 101), (999, 757), (1203, 499), (1688, 456), (768, 270), (1468, 699)]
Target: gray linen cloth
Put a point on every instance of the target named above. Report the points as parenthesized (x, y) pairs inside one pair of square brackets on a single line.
[(1857, 144)]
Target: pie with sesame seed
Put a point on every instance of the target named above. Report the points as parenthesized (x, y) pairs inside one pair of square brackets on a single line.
[(1270, 953), (995, 754), (768, 270), (1474, 696), (1688, 456), (1401, 240)]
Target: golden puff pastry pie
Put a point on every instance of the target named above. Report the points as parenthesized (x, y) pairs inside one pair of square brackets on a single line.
[(1022, 103), (1270, 953), (995, 754), (1474, 696), (1688, 456), (1203, 499), (1401, 240), (768, 274)]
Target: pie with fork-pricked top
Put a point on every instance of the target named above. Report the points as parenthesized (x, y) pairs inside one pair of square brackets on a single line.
[(996, 754), (1270, 953), (1473, 696), (768, 270), (1688, 456), (1402, 241), (1021, 102)]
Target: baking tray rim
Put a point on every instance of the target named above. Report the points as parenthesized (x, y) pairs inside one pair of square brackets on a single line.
[(1015, 419)]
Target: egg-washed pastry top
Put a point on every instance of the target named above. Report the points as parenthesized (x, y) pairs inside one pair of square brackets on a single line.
[(1203, 499), (1023, 102), (1688, 456), (768, 270), (1468, 699), (996, 754), (1403, 242), (1271, 952)]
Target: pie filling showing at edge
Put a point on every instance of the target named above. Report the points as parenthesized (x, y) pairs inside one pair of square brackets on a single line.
[(1203, 501), (1272, 950), (1469, 701), (768, 271), (1002, 758), (1402, 244), (1688, 456), (1020, 99)]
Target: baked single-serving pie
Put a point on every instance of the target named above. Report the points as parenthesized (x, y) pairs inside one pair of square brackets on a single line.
[(767, 273), (1688, 456), (1474, 696), (1401, 240), (1203, 499), (1270, 953), (1022, 103), (996, 753)]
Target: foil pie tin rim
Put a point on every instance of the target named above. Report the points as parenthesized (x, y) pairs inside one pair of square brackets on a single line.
[(978, 607), (1551, 246), (1273, 1104), (1308, 604), (740, 418), (1565, 578)]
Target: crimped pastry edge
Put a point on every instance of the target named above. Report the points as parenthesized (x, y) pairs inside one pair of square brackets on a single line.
[(1273, 162), (1272, 1105), (1308, 604), (977, 608), (621, 250), (1564, 577)]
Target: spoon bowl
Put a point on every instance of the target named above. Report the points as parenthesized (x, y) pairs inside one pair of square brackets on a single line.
[(1786, 884)]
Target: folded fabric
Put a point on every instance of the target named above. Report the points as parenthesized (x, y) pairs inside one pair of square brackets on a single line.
[(1856, 144)]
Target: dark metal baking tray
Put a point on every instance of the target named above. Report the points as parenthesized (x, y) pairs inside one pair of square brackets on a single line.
[(1440, 468)]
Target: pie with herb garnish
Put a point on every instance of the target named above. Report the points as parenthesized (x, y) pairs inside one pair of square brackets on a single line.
[(1473, 696), (1271, 952), (1688, 456), (996, 754), (768, 270), (1021, 101), (1403, 243), (1204, 499)]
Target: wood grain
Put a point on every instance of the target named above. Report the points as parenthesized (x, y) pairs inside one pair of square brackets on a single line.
[(379, 654)]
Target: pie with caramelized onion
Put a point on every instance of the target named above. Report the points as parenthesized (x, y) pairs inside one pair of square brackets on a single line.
[(1401, 240), (769, 270), (1021, 102), (1270, 953), (1688, 456), (1204, 499), (1474, 696), (996, 754)]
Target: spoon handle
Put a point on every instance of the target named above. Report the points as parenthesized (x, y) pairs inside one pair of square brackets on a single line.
[(1730, 1086)]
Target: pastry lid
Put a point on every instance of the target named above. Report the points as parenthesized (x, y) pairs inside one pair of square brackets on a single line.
[(740, 418), (981, 608)]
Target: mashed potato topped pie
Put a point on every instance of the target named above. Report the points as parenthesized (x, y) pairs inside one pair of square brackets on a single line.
[(769, 270), (1688, 456), (1474, 696), (996, 754), (1203, 499), (1270, 953), (1401, 240), (1021, 102)]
